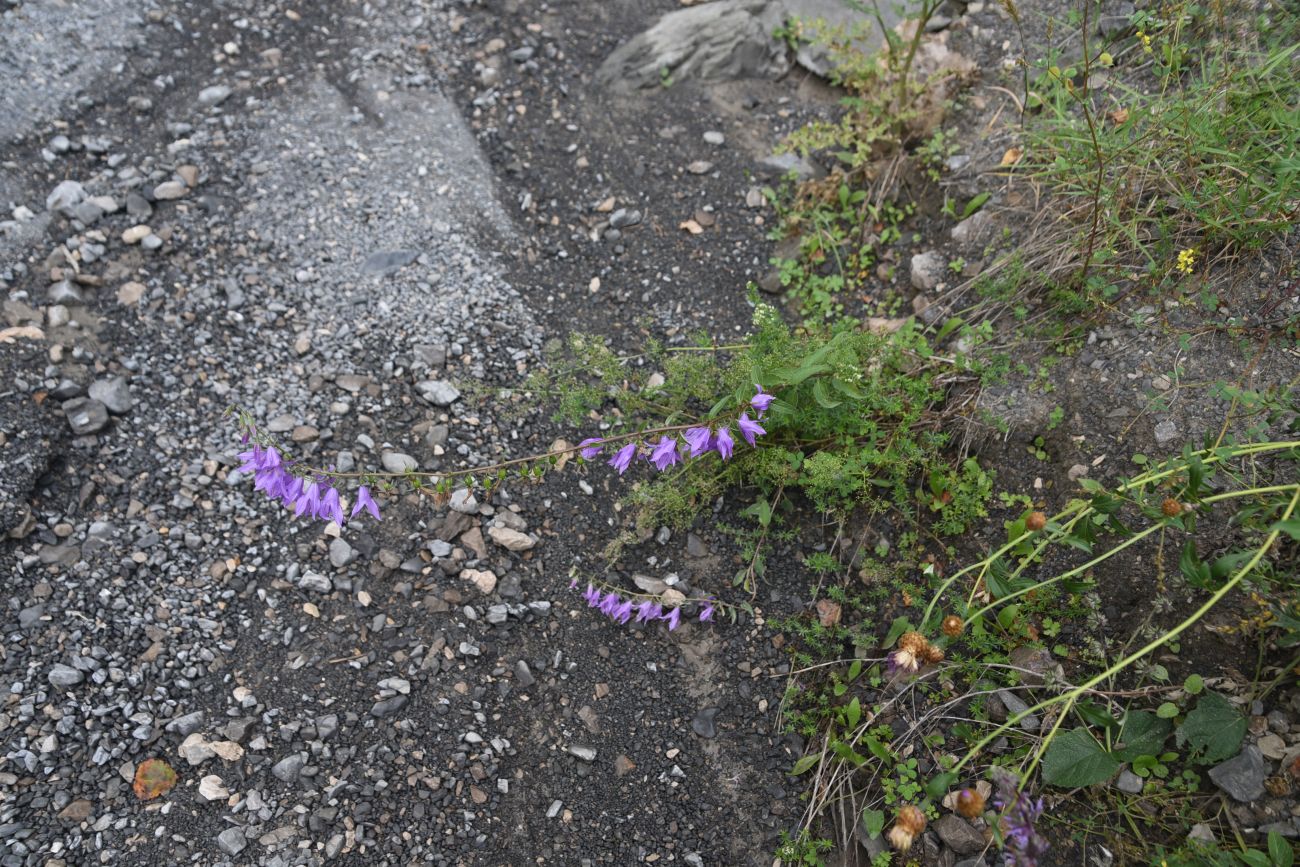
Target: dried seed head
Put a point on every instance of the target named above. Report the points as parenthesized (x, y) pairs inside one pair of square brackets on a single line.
[(970, 803), (1171, 508), (952, 626), (914, 643), (933, 655), (908, 825), (904, 660), (1035, 522)]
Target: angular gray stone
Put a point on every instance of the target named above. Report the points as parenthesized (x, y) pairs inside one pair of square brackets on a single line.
[(316, 582), (341, 553), (214, 95), (65, 675), (784, 163), (388, 262), (438, 392), (64, 197), (389, 706), (232, 841), (1242, 776), (186, 724), (85, 415), (704, 724), (289, 767), (113, 393), (396, 462), (1129, 782), (463, 501), (975, 232), (927, 270), (63, 292), (170, 190), (958, 835), (623, 217)]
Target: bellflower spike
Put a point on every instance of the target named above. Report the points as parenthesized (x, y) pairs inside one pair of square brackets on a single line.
[(1024, 846), (699, 439), (749, 429), (609, 603), (365, 501), (761, 401), (724, 443), (591, 447), (623, 459), (665, 454)]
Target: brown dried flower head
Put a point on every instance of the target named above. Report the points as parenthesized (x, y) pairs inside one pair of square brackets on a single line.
[(953, 626), (1171, 508), (970, 803), (908, 825), (1035, 522)]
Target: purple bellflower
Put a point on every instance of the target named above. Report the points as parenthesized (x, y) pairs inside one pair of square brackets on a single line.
[(591, 447), (623, 459), (700, 439), (665, 454), (365, 501), (761, 401), (724, 443), (706, 613), (749, 429)]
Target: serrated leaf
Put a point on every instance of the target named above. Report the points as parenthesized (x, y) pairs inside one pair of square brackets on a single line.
[(1194, 684), (1214, 729), (939, 785), (1096, 715), (1075, 759), (1143, 734)]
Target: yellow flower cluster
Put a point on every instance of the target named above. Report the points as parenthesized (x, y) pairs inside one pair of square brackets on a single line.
[(1186, 260), (1146, 40)]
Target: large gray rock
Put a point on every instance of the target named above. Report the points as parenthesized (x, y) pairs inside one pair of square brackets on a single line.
[(733, 39), (113, 393), (85, 415), (1242, 777)]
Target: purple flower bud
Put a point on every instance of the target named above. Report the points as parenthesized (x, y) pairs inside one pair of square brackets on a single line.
[(761, 401), (365, 501), (724, 443), (665, 454), (706, 613), (592, 595), (749, 429), (623, 459), (590, 447), (699, 439)]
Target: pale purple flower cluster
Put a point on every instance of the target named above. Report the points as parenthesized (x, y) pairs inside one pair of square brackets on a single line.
[(623, 611), (316, 497), (697, 441), (1023, 846)]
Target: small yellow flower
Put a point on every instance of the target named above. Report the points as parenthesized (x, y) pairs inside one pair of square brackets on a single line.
[(1146, 40), (1186, 260)]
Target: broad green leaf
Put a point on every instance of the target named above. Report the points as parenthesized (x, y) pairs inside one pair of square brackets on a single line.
[(1167, 710), (1143, 734), (877, 749), (1214, 729), (823, 396), (874, 822), (1194, 684), (896, 629), (1075, 759), (853, 714), (1280, 850), (1096, 715)]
